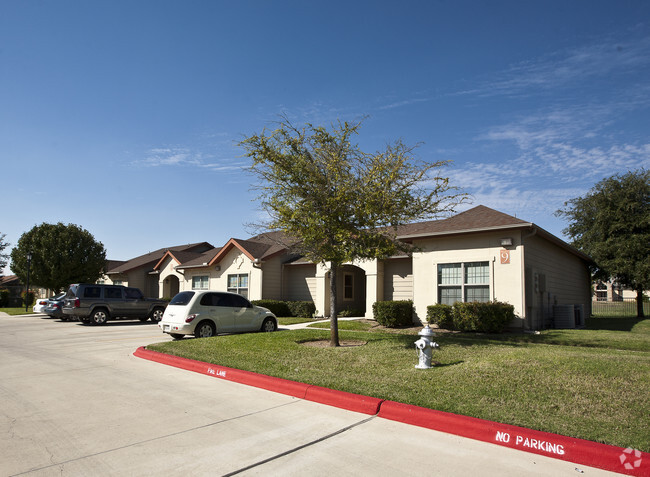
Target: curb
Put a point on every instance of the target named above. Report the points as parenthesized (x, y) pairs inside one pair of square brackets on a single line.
[(579, 451)]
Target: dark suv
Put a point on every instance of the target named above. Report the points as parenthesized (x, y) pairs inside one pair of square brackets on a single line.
[(96, 304)]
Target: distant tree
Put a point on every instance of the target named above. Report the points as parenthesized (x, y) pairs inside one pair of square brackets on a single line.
[(612, 225), (338, 203), (4, 257), (61, 255)]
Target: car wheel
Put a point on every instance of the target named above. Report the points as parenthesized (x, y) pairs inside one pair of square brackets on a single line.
[(269, 325), (176, 336), (99, 317), (205, 329), (157, 314)]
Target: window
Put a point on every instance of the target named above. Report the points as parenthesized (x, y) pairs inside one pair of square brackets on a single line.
[(183, 298), (200, 282), (113, 292), (238, 283), (133, 293), (463, 282), (92, 292), (348, 286)]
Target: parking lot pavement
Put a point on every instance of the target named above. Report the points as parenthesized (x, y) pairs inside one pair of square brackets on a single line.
[(75, 401)]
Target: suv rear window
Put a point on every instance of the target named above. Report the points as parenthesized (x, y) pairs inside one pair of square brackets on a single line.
[(183, 298)]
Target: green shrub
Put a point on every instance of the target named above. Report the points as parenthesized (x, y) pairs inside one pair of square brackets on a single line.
[(277, 307), (441, 315), (350, 313), (28, 298), (302, 309), (491, 317), (4, 298), (393, 313)]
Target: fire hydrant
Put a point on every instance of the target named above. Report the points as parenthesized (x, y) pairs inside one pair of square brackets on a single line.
[(424, 347)]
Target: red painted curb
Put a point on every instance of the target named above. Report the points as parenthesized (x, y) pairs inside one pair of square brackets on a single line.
[(283, 386), (575, 450), (341, 399), (579, 451), (344, 400)]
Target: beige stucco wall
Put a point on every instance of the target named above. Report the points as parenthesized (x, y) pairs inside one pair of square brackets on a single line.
[(235, 262), (506, 281)]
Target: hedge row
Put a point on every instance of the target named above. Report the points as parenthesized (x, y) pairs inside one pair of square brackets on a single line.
[(4, 298), (393, 313), (491, 317), (301, 309)]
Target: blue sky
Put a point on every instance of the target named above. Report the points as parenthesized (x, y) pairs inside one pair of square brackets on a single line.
[(123, 116)]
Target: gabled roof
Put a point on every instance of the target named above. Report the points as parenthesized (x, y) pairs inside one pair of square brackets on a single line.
[(9, 280), (152, 258), (480, 219), (188, 259), (477, 219), (260, 247), (112, 264)]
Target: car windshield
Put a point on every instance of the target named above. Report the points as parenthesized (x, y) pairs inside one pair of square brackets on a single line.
[(183, 298)]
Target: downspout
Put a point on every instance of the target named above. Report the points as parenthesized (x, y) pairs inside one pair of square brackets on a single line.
[(494, 259), (257, 263), (523, 274)]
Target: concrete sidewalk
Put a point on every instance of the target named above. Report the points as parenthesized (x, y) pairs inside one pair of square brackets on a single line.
[(302, 326)]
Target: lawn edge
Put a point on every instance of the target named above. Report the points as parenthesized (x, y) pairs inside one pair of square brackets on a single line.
[(579, 451)]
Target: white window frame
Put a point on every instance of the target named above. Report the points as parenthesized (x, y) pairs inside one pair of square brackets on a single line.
[(241, 285), (348, 287), (463, 278), (201, 282)]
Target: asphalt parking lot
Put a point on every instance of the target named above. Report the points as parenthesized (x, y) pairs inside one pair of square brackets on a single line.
[(75, 401)]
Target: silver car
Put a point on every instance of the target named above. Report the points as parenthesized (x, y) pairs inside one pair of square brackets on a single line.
[(206, 313)]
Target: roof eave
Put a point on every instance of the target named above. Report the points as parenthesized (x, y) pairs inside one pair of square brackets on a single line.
[(524, 225)]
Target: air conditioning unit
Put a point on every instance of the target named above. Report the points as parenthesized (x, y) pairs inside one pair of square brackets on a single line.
[(564, 316), (579, 311)]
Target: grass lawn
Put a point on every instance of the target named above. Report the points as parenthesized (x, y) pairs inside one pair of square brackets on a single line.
[(17, 311), (292, 320), (592, 384)]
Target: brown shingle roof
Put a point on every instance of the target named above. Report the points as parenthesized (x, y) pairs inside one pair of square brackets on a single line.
[(473, 220), (151, 259), (199, 259)]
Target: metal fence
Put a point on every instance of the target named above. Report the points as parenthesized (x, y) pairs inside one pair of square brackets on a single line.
[(618, 308)]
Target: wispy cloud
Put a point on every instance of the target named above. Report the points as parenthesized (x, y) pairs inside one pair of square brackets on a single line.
[(193, 157), (569, 67)]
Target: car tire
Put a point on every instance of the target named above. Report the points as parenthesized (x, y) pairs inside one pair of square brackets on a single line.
[(99, 317), (176, 336), (269, 325), (157, 314), (205, 329)]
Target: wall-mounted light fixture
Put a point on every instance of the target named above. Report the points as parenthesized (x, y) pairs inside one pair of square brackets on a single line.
[(505, 242), (217, 268)]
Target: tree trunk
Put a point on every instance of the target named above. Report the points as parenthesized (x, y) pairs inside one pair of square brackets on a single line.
[(334, 324), (639, 303)]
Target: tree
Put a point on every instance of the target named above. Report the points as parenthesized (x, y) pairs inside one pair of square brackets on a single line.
[(4, 258), (61, 255), (338, 203), (612, 225)]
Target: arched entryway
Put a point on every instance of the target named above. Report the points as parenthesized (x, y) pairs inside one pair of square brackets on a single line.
[(351, 290), (171, 286)]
